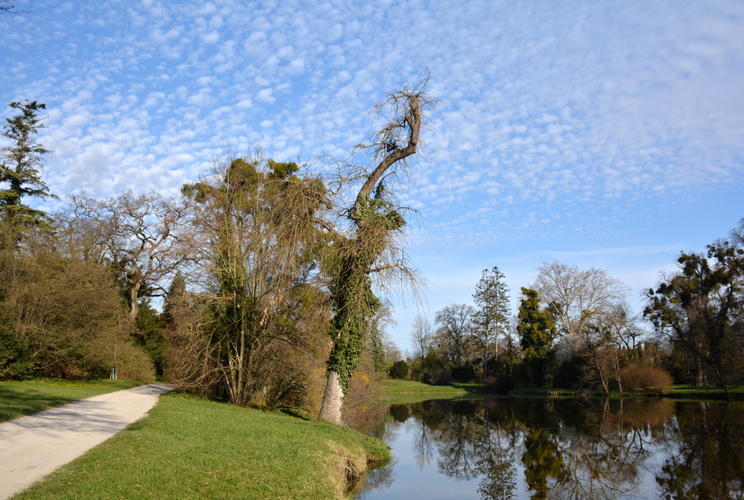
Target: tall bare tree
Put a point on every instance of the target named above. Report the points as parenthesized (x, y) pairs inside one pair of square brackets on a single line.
[(365, 240)]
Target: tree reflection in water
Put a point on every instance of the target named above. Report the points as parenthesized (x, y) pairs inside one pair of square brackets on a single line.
[(577, 449)]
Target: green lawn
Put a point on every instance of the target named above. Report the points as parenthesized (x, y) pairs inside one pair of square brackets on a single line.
[(189, 447), (695, 392), (406, 391), (24, 398)]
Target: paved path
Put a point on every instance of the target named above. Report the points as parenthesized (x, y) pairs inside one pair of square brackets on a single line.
[(32, 447)]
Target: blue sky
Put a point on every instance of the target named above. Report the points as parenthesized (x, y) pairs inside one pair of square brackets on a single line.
[(601, 134)]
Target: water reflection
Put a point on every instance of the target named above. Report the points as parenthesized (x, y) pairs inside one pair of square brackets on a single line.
[(573, 449)]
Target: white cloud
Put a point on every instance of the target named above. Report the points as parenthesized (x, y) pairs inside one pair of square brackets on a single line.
[(556, 119)]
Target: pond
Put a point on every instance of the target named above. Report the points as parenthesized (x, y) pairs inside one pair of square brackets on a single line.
[(521, 448)]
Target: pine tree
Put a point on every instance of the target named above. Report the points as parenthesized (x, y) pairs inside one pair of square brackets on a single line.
[(537, 330), (491, 298), (20, 167)]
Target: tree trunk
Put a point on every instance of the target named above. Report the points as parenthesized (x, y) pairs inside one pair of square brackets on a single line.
[(333, 398), (133, 303)]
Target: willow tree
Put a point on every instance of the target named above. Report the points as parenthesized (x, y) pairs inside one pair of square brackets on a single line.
[(255, 221), (367, 243)]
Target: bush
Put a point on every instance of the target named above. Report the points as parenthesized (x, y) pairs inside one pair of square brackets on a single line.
[(651, 378), (442, 378), (399, 370)]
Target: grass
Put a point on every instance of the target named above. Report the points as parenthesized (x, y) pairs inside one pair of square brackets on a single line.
[(695, 392), (24, 398), (690, 392), (406, 391), (189, 447)]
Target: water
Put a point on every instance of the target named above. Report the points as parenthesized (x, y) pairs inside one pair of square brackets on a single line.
[(511, 448)]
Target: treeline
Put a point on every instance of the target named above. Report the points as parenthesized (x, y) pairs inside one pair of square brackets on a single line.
[(574, 329), (265, 273)]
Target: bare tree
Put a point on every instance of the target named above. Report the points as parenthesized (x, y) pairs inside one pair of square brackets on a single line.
[(454, 333), (421, 336), (136, 236), (577, 297)]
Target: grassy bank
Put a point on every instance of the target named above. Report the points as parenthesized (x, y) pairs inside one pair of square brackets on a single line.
[(192, 448), (675, 392), (24, 398), (406, 391)]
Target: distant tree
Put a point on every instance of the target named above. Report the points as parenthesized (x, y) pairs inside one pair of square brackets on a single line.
[(537, 331), (377, 337), (149, 335), (491, 315), (20, 169), (701, 309), (454, 333), (421, 336), (364, 242), (609, 341), (175, 296), (577, 298)]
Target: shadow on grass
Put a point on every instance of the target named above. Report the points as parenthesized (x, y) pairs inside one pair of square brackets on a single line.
[(16, 402)]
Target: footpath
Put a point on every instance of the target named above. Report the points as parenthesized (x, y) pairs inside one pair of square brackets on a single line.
[(32, 447)]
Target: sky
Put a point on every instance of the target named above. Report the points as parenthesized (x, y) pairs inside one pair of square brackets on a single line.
[(599, 134)]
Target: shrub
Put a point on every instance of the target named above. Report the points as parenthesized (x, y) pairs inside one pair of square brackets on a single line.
[(651, 378), (399, 370)]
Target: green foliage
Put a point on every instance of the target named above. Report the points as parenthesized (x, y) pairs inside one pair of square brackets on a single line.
[(537, 331), (543, 461), (14, 358), (63, 318), (701, 308), (260, 304), (399, 370), (20, 168), (354, 304), (149, 335)]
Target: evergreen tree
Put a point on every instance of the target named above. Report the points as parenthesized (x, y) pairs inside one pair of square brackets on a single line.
[(19, 169), (491, 298), (537, 330)]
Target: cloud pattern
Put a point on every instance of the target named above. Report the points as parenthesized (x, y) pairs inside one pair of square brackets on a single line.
[(557, 120)]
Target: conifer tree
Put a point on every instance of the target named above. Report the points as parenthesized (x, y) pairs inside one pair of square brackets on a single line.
[(20, 175), (537, 330)]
